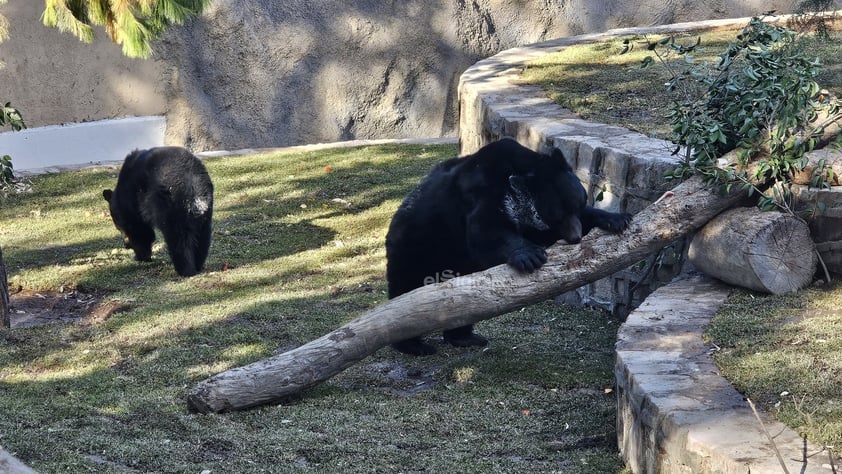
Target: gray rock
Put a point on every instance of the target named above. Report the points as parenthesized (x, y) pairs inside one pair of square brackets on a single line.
[(266, 73)]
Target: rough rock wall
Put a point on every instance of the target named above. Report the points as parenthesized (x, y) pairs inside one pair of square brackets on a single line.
[(53, 78), (262, 73), (277, 73), (259, 73)]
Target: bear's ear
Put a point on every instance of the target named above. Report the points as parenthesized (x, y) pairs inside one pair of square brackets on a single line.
[(106, 193), (558, 158)]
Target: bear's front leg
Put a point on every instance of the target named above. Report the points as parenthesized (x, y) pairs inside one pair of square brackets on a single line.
[(464, 337), (139, 238), (527, 257), (143, 254), (492, 240), (495, 248), (614, 222)]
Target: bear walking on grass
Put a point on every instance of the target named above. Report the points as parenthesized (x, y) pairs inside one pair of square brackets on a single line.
[(503, 204), (167, 188)]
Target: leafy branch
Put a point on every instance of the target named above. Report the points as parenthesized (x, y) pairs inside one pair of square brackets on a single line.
[(130, 23), (760, 102), (760, 99), (10, 117)]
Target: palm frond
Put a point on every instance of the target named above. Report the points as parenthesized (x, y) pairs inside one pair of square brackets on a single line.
[(68, 16), (133, 24)]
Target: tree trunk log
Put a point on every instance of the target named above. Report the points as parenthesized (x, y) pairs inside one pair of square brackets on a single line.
[(11, 465), (832, 161), (5, 321), (771, 252), (461, 301)]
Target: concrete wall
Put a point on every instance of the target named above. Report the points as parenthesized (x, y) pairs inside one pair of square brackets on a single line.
[(260, 73), (39, 149)]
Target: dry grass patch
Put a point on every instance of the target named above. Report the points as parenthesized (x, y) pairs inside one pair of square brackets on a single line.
[(600, 84), (785, 353)]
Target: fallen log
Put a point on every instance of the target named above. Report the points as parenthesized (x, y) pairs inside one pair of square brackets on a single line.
[(461, 301), (11, 465), (5, 321), (770, 252)]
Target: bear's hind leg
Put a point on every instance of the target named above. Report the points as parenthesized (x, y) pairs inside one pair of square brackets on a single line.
[(203, 242), (464, 337), (181, 244), (414, 346)]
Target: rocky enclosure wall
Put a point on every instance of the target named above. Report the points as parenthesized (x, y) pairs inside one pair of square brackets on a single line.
[(260, 73)]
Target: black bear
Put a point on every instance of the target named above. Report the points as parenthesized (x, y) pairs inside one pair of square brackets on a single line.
[(503, 204), (167, 188)]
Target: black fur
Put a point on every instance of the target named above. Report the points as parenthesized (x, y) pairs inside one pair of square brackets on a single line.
[(167, 188), (503, 204)]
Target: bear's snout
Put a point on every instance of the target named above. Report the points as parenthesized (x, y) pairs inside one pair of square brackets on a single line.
[(573, 240), (571, 229)]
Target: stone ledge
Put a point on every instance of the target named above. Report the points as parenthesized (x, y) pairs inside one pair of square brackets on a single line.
[(675, 412)]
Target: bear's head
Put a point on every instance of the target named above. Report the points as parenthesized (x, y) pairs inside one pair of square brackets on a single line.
[(142, 252), (548, 199)]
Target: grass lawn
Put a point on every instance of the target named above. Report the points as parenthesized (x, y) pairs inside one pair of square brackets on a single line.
[(298, 250), (783, 352)]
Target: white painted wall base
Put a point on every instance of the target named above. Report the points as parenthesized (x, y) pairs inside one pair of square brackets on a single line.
[(41, 148)]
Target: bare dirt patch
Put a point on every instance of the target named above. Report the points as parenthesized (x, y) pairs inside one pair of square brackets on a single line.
[(29, 308)]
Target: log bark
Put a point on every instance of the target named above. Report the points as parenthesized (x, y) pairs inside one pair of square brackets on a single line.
[(5, 321), (824, 207), (771, 252), (11, 465), (463, 300), (832, 161)]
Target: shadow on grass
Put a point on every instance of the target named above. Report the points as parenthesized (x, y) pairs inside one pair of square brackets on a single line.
[(129, 406)]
